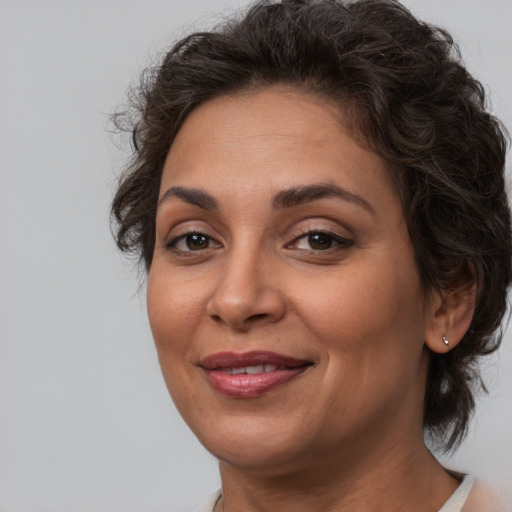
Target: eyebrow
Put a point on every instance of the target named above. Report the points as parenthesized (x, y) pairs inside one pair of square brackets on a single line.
[(300, 195), (192, 196), (288, 198)]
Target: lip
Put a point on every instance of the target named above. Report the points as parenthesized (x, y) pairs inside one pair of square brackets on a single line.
[(217, 368)]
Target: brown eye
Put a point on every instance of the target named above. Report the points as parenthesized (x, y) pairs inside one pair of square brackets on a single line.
[(196, 242), (192, 242), (320, 241)]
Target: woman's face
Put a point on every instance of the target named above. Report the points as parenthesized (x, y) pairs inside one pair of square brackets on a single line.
[(283, 295)]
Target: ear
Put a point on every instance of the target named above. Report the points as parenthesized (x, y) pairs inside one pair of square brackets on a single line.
[(450, 315)]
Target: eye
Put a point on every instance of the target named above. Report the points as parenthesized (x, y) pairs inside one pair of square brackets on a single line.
[(319, 241), (192, 242)]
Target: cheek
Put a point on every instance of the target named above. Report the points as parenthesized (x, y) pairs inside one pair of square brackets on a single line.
[(372, 306), (173, 311), (370, 328)]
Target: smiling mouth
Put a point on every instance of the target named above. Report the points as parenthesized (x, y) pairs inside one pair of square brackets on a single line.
[(253, 369), (251, 374)]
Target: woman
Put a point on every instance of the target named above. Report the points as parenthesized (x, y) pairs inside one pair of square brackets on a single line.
[(317, 194)]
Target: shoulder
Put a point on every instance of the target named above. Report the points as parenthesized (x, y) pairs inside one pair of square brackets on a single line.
[(484, 498), (473, 496)]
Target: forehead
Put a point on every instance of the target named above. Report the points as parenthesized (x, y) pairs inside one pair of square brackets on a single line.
[(268, 140), (245, 119)]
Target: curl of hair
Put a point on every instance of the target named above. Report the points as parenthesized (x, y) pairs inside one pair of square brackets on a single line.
[(404, 93)]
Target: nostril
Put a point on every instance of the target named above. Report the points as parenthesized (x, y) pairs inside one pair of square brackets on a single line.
[(243, 325), (256, 317)]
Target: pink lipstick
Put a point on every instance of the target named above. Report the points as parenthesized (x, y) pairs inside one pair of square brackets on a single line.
[(250, 374)]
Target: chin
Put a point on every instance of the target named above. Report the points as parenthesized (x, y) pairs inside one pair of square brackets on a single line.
[(253, 443)]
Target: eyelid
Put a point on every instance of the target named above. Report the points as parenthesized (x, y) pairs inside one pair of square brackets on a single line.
[(319, 226), (341, 241), (184, 229), (173, 243), (326, 226)]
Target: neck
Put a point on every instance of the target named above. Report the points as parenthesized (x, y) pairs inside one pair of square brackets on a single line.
[(400, 477)]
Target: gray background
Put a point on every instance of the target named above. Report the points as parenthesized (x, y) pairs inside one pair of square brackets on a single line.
[(86, 423)]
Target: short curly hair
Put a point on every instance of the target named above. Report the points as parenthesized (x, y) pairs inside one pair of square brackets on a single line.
[(406, 95)]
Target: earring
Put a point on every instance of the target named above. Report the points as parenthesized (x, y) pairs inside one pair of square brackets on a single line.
[(445, 340)]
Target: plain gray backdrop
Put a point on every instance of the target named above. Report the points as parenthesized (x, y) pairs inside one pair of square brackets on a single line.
[(86, 423)]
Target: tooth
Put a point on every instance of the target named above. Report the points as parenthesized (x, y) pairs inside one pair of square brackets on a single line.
[(251, 370), (237, 371), (270, 367)]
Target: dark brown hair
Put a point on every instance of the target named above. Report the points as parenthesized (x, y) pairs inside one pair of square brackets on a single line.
[(406, 95)]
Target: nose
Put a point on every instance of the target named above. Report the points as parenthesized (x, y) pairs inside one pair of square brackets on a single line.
[(246, 292)]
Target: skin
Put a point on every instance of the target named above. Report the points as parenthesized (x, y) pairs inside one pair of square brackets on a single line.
[(347, 433)]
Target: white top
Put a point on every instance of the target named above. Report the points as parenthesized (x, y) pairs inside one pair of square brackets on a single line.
[(454, 503), (458, 498)]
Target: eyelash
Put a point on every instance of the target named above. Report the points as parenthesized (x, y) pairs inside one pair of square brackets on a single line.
[(339, 241), (172, 244), (332, 238)]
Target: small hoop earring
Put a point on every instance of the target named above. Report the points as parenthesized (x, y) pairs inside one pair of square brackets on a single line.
[(445, 340)]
